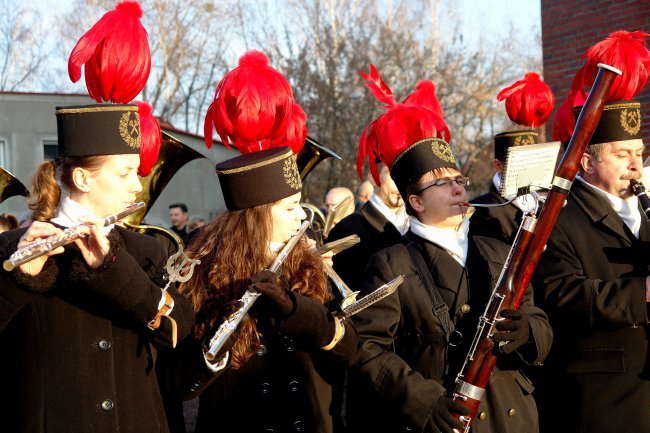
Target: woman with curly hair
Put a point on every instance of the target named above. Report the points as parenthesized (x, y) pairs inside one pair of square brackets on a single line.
[(277, 372)]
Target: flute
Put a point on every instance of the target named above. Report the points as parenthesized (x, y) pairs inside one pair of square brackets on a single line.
[(228, 327), (43, 246)]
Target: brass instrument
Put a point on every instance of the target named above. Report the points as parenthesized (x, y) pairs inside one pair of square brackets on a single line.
[(333, 216), (376, 295), (173, 155), (317, 220), (10, 186), (312, 154), (41, 247), (349, 296)]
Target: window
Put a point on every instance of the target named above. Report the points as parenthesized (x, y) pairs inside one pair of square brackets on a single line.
[(50, 150), (3, 157)]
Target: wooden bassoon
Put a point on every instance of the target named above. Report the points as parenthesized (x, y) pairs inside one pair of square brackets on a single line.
[(526, 252)]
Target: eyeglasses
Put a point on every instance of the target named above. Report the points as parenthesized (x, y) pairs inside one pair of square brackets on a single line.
[(460, 180)]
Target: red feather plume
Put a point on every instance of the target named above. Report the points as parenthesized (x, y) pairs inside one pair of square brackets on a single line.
[(424, 95), (626, 51), (529, 101), (378, 86), (399, 127), (115, 52), (251, 107), (295, 132), (150, 140), (565, 122)]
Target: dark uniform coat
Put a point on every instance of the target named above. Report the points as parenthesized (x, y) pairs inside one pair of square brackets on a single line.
[(376, 233), (403, 363), (500, 222), (593, 275), (76, 351), (284, 387)]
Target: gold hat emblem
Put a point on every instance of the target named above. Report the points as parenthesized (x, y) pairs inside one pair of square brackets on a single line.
[(130, 129), (291, 174), (442, 150), (631, 120), (524, 140)]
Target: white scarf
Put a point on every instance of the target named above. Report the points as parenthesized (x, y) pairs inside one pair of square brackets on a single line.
[(455, 242), (399, 219), (525, 203), (70, 211), (627, 209)]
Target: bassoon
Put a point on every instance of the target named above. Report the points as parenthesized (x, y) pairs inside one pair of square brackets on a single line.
[(526, 252)]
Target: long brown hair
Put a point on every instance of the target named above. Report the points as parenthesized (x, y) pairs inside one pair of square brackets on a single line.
[(46, 193), (233, 248)]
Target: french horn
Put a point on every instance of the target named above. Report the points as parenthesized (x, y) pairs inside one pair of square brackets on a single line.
[(173, 155), (10, 186), (312, 154)]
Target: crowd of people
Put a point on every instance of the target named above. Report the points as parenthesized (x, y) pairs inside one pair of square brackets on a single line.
[(98, 334)]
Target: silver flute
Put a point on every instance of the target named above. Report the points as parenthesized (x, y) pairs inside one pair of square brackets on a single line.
[(228, 327), (43, 246)]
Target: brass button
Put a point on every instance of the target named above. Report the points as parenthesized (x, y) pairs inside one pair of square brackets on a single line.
[(104, 345), (465, 308), (482, 416), (511, 412), (262, 350), (107, 405)]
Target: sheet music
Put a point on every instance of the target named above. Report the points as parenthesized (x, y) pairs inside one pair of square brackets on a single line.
[(531, 165)]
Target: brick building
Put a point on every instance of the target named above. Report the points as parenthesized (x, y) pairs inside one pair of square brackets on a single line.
[(569, 27)]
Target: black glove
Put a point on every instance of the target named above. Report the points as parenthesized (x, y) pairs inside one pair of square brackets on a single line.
[(277, 301), (442, 419), (514, 332)]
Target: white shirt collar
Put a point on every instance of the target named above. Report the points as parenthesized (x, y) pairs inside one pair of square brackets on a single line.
[(399, 219), (70, 211), (627, 209), (455, 242)]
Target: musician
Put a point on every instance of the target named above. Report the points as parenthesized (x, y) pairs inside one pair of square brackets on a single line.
[(380, 223), (77, 353), (276, 375), (179, 218), (595, 275), (413, 342), (364, 191), (529, 103)]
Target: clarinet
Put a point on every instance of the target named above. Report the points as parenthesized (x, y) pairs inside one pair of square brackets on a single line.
[(638, 189), (228, 327), (525, 254), (41, 247)]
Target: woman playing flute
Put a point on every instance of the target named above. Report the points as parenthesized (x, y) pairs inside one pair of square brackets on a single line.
[(278, 371), (78, 326)]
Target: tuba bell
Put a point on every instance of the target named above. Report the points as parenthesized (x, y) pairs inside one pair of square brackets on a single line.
[(10, 186), (173, 155), (312, 154)]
